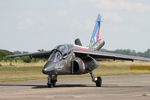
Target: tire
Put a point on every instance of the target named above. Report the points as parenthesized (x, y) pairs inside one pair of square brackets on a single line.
[(54, 84), (49, 85), (99, 82)]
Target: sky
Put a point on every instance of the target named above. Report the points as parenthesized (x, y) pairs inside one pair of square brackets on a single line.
[(29, 25)]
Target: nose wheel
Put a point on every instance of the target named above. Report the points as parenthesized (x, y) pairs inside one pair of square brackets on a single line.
[(52, 79), (97, 80)]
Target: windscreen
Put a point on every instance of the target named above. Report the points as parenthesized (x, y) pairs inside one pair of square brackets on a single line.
[(55, 56)]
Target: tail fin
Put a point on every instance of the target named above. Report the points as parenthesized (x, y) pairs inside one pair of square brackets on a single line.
[(96, 31)]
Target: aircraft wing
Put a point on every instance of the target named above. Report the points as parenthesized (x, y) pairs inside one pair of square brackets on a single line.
[(107, 55), (44, 54)]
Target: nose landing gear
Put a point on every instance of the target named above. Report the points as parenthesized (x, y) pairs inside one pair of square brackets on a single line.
[(52, 79)]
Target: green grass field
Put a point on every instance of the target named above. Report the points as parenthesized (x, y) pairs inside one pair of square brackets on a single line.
[(31, 71), (12, 73)]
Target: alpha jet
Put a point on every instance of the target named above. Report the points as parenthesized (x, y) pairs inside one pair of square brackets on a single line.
[(69, 59)]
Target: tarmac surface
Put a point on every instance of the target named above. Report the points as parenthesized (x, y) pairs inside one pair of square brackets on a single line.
[(131, 87)]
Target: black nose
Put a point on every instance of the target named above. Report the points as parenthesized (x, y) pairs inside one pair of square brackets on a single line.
[(44, 71), (49, 68)]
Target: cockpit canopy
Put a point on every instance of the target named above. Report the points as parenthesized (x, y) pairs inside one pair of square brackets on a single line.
[(59, 51), (64, 49), (55, 56)]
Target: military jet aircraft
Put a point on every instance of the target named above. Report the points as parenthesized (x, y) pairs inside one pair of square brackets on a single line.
[(69, 59)]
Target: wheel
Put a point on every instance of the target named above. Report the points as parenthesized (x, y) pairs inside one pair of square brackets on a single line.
[(49, 85), (99, 82), (51, 81), (54, 83)]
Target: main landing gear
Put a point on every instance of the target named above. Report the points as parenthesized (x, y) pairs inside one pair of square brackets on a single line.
[(97, 80), (52, 79)]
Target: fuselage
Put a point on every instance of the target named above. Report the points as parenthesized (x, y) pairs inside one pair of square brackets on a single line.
[(63, 61)]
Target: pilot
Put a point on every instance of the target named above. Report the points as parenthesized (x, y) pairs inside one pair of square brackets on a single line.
[(58, 57)]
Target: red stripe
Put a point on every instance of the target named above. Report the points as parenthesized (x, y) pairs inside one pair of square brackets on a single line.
[(77, 47), (98, 32)]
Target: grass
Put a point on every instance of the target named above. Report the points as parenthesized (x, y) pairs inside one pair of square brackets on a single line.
[(120, 68), (144, 94), (13, 73), (32, 71)]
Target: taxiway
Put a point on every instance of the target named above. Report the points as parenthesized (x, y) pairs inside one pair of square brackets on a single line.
[(130, 87)]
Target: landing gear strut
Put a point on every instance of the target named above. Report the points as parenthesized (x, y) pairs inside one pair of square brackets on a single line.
[(52, 79), (97, 80)]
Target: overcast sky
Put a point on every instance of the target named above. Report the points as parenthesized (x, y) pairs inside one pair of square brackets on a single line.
[(28, 25)]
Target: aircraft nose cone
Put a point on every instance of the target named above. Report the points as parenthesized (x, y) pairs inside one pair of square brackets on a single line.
[(49, 68), (45, 71)]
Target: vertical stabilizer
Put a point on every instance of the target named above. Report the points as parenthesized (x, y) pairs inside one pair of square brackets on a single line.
[(96, 32)]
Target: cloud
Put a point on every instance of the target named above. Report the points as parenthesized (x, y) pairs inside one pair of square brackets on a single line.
[(2, 3), (61, 12), (28, 19), (76, 24), (112, 16), (25, 23), (89, 24), (112, 9), (28, 13), (121, 5)]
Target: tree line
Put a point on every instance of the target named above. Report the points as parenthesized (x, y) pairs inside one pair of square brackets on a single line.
[(5, 53), (26, 59), (130, 52)]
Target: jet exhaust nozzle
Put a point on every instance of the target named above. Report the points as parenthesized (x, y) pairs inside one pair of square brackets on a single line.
[(98, 45)]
